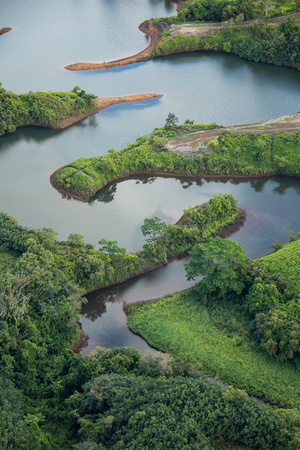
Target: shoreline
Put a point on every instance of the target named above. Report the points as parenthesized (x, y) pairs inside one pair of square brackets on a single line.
[(163, 175), (151, 31), (102, 103), (223, 233), (5, 30), (282, 124)]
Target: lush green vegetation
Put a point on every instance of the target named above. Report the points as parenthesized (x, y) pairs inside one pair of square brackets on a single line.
[(233, 154), (7, 260), (43, 109), (148, 154), (221, 10), (118, 398), (59, 399), (89, 268), (273, 43), (238, 311), (162, 404)]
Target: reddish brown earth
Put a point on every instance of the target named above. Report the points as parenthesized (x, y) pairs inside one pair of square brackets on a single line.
[(193, 142), (5, 30), (102, 103), (150, 30)]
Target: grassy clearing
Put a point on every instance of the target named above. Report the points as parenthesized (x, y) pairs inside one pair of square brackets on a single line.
[(181, 325), (285, 261)]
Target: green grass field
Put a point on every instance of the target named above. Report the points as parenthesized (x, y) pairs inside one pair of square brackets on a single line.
[(180, 325)]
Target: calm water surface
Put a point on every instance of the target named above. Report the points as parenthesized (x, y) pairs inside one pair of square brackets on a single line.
[(272, 207), (206, 87)]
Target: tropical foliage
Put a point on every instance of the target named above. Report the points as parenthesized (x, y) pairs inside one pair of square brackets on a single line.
[(240, 322), (233, 154), (220, 10), (44, 109), (271, 43)]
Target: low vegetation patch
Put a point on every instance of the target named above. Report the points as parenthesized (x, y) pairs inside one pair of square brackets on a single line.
[(241, 322), (218, 11)]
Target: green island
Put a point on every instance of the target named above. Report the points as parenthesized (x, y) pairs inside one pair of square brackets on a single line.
[(56, 110), (182, 150)]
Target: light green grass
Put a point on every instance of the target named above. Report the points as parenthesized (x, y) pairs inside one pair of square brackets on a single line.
[(180, 325)]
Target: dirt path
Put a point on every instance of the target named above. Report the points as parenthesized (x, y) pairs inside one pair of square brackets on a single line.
[(103, 103), (192, 143), (190, 29), (150, 30)]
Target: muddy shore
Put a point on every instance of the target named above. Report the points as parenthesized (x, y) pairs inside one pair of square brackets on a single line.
[(102, 103)]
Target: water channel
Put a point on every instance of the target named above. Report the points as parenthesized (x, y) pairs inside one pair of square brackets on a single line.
[(207, 87)]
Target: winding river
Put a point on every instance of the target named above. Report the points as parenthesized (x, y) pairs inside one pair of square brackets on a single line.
[(208, 87)]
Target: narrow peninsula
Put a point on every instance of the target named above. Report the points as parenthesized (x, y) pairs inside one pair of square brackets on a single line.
[(244, 33), (56, 110), (190, 150), (5, 30)]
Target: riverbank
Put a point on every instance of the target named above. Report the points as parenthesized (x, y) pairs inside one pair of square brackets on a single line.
[(180, 324), (223, 232), (102, 103), (229, 335), (5, 30), (148, 29), (55, 110), (183, 30)]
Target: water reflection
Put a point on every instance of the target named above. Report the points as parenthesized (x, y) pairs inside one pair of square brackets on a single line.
[(269, 217), (281, 189), (106, 195), (104, 319), (258, 184)]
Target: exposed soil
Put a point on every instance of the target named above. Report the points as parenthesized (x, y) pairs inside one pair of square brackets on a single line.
[(102, 103), (150, 30), (5, 30), (203, 29), (192, 143), (146, 27)]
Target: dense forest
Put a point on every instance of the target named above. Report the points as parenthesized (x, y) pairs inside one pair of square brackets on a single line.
[(274, 43), (43, 109), (221, 10)]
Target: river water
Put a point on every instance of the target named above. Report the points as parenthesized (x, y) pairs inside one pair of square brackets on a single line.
[(208, 87)]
